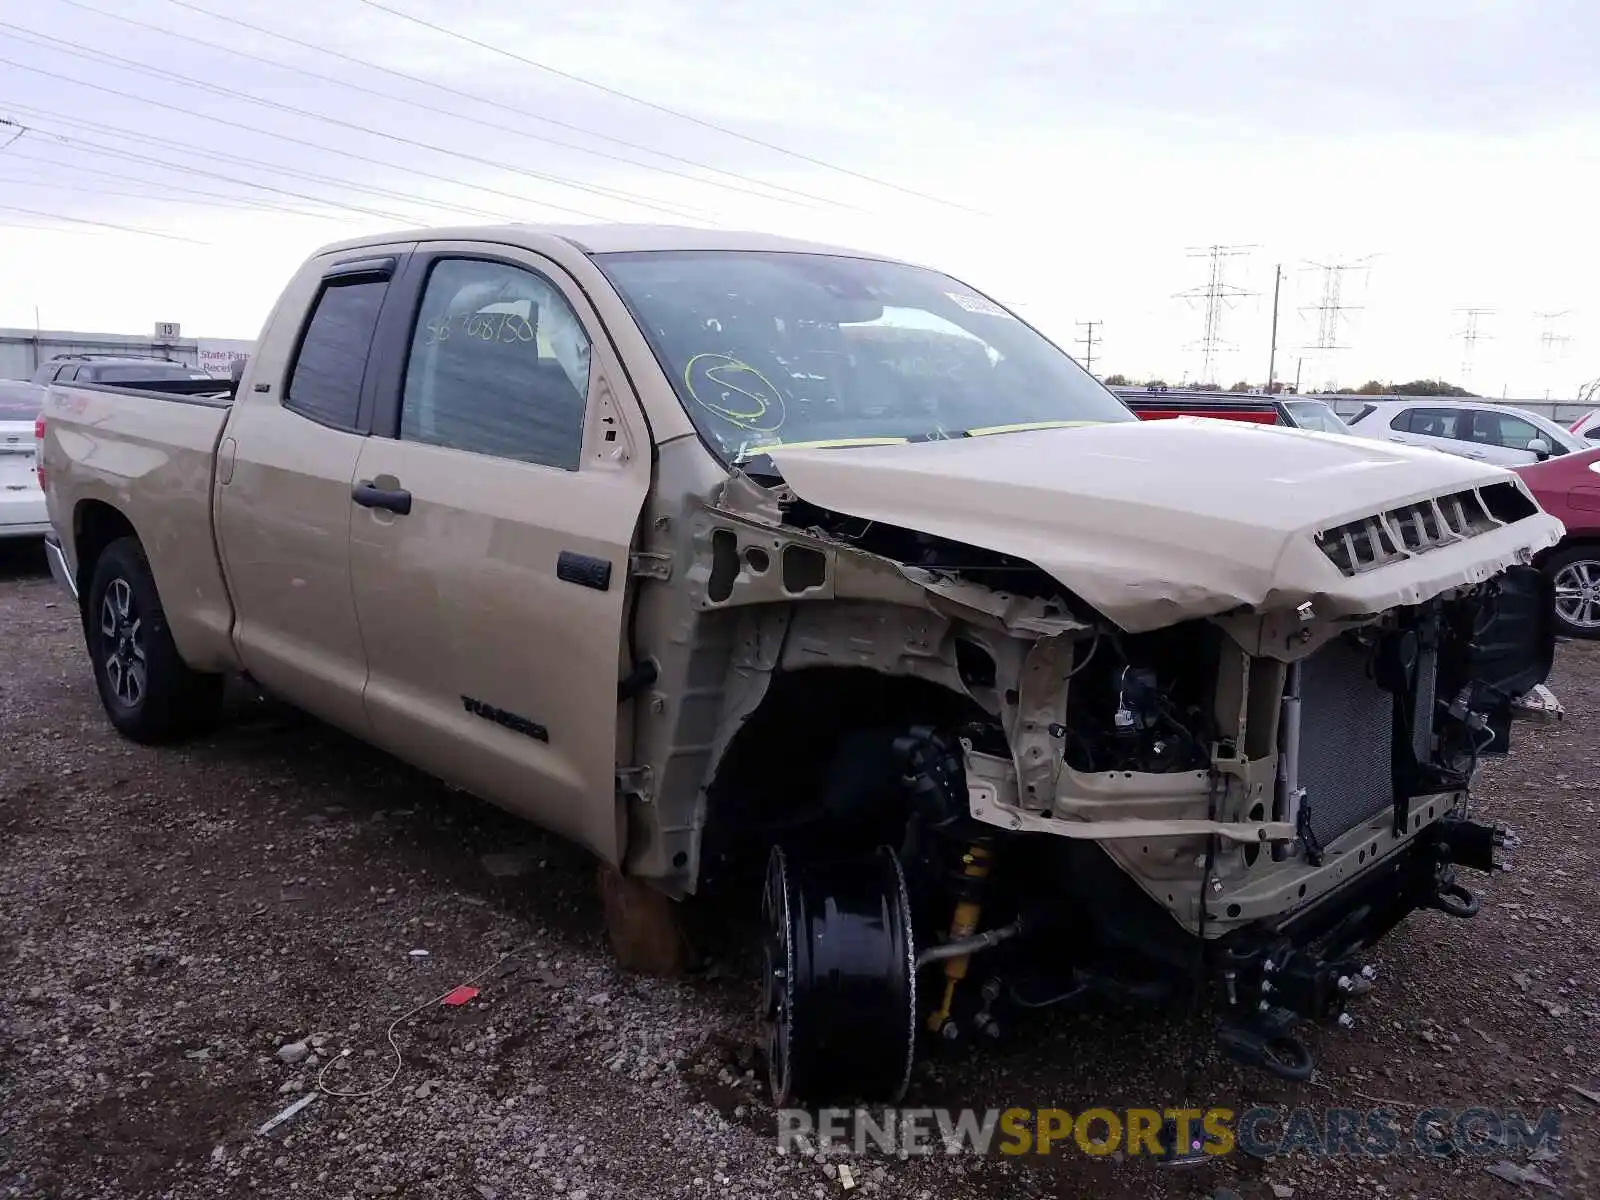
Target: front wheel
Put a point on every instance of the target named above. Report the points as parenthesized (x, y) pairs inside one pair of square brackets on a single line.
[(148, 691), (1575, 572), (839, 987)]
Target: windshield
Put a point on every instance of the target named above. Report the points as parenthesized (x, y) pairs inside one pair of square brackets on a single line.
[(1316, 414), (768, 349)]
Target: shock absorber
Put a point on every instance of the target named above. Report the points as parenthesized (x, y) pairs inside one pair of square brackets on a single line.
[(968, 878), (936, 786)]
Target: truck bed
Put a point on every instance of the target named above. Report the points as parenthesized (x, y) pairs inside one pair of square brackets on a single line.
[(151, 457)]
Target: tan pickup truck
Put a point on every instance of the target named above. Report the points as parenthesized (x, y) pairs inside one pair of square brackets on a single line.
[(825, 579)]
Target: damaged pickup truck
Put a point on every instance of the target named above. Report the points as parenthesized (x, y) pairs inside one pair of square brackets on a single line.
[(751, 562)]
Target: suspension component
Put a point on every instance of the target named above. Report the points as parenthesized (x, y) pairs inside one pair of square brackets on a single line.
[(968, 878)]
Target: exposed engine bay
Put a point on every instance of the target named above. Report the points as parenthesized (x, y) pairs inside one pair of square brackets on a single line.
[(1002, 799)]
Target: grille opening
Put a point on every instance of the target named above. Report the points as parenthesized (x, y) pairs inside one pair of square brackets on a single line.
[(1386, 537), (1507, 502)]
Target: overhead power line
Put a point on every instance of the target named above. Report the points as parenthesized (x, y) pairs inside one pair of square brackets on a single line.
[(507, 107), (284, 137), (50, 216), (671, 112), (337, 81), (148, 139), (76, 48), (219, 197), (102, 190)]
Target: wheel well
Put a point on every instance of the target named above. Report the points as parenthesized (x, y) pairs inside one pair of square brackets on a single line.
[(818, 752), (95, 526), (1573, 541)]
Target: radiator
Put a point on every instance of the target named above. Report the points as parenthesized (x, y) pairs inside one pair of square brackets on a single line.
[(1346, 747)]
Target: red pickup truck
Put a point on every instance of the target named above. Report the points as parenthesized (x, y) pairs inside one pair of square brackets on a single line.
[(1568, 488)]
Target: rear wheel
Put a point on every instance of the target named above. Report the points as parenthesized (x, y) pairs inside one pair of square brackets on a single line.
[(1575, 572), (148, 691)]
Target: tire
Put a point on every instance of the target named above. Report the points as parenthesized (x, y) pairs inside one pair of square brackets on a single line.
[(148, 691), (1575, 571)]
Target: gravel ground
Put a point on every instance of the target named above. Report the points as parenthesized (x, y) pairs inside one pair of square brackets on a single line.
[(171, 921)]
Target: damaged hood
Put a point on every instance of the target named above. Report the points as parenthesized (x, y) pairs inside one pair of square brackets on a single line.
[(1155, 522)]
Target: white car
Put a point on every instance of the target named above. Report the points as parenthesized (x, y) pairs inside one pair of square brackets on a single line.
[(1511, 437), (22, 511)]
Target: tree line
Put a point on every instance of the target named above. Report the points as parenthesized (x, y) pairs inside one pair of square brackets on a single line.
[(1373, 387)]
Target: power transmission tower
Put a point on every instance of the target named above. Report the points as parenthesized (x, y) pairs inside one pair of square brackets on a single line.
[(1471, 334), (1550, 342), (1331, 307), (1218, 295), (1087, 341)]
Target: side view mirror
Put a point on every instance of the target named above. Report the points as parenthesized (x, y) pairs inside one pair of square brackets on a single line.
[(1540, 448)]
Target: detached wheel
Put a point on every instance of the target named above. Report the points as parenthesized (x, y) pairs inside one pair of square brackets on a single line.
[(1575, 572), (147, 689), (839, 991)]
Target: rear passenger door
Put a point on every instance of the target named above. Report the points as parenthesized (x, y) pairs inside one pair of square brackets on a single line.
[(284, 472), (490, 538)]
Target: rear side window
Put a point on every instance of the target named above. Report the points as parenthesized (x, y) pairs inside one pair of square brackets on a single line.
[(325, 383), (1432, 422), (1401, 422)]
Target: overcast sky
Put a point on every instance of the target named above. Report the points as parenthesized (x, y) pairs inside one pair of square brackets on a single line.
[(1067, 158)]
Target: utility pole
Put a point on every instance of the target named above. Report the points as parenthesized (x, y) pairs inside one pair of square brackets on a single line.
[(1087, 342), (1272, 359), (1218, 295)]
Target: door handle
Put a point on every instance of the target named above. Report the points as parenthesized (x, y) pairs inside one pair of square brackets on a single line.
[(395, 500)]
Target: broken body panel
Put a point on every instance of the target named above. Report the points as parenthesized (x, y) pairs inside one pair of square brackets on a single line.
[(1150, 526)]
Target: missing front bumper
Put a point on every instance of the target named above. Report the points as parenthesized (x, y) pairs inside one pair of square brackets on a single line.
[(1271, 976)]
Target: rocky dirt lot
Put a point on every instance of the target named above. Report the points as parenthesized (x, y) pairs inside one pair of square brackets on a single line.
[(176, 924)]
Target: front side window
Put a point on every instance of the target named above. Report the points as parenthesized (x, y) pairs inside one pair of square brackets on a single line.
[(325, 383), (1512, 432), (773, 348), (499, 365)]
